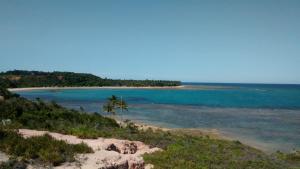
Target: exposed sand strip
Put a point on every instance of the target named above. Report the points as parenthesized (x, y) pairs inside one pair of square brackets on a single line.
[(94, 87)]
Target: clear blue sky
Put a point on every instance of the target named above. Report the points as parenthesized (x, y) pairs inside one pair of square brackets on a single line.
[(204, 41)]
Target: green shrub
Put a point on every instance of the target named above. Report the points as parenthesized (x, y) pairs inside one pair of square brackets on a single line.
[(44, 148), (295, 156), (85, 132), (197, 152), (13, 164)]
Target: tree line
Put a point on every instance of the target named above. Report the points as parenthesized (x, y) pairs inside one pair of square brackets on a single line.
[(23, 78)]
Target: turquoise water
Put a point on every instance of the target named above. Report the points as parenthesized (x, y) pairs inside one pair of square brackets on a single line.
[(265, 116)]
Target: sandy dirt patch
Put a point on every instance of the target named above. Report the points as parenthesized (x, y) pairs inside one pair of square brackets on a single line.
[(108, 153)]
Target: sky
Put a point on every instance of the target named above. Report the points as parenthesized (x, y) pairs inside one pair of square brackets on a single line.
[(241, 41)]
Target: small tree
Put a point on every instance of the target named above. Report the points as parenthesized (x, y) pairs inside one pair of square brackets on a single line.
[(122, 105), (113, 100), (114, 103), (109, 108)]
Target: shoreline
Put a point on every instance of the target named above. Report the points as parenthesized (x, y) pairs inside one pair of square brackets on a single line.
[(186, 87), (94, 87), (212, 133)]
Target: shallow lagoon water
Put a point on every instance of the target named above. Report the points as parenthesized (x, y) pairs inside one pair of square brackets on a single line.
[(265, 116)]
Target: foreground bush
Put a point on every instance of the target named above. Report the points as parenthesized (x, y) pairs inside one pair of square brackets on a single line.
[(13, 164), (42, 148), (203, 153)]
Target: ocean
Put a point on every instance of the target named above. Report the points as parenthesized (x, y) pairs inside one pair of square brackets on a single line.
[(265, 116)]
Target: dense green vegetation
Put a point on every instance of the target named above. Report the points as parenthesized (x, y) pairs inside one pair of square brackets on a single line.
[(42, 148), (180, 150), (52, 117), (199, 153), (21, 78)]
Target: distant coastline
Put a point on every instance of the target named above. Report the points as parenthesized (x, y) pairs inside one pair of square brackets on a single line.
[(95, 87), (23, 78)]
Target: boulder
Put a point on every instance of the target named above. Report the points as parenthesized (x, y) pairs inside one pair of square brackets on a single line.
[(129, 148), (117, 166), (136, 164), (113, 147), (125, 148)]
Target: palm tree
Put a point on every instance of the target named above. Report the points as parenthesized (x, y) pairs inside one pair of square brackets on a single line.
[(114, 103), (110, 105), (109, 108), (122, 105), (113, 100)]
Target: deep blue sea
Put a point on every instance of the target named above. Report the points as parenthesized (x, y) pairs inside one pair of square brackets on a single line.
[(264, 116)]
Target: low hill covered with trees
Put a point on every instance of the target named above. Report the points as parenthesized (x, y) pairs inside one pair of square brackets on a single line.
[(22, 78)]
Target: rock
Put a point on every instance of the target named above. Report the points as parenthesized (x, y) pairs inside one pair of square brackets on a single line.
[(129, 148), (113, 147), (117, 166), (137, 164), (1, 98), (125, 148), (3, 157), (149, 166)]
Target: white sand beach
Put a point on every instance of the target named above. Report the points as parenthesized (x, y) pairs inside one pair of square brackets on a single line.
[(93, 87)]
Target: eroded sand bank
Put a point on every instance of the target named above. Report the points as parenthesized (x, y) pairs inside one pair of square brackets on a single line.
[(124, 154)]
